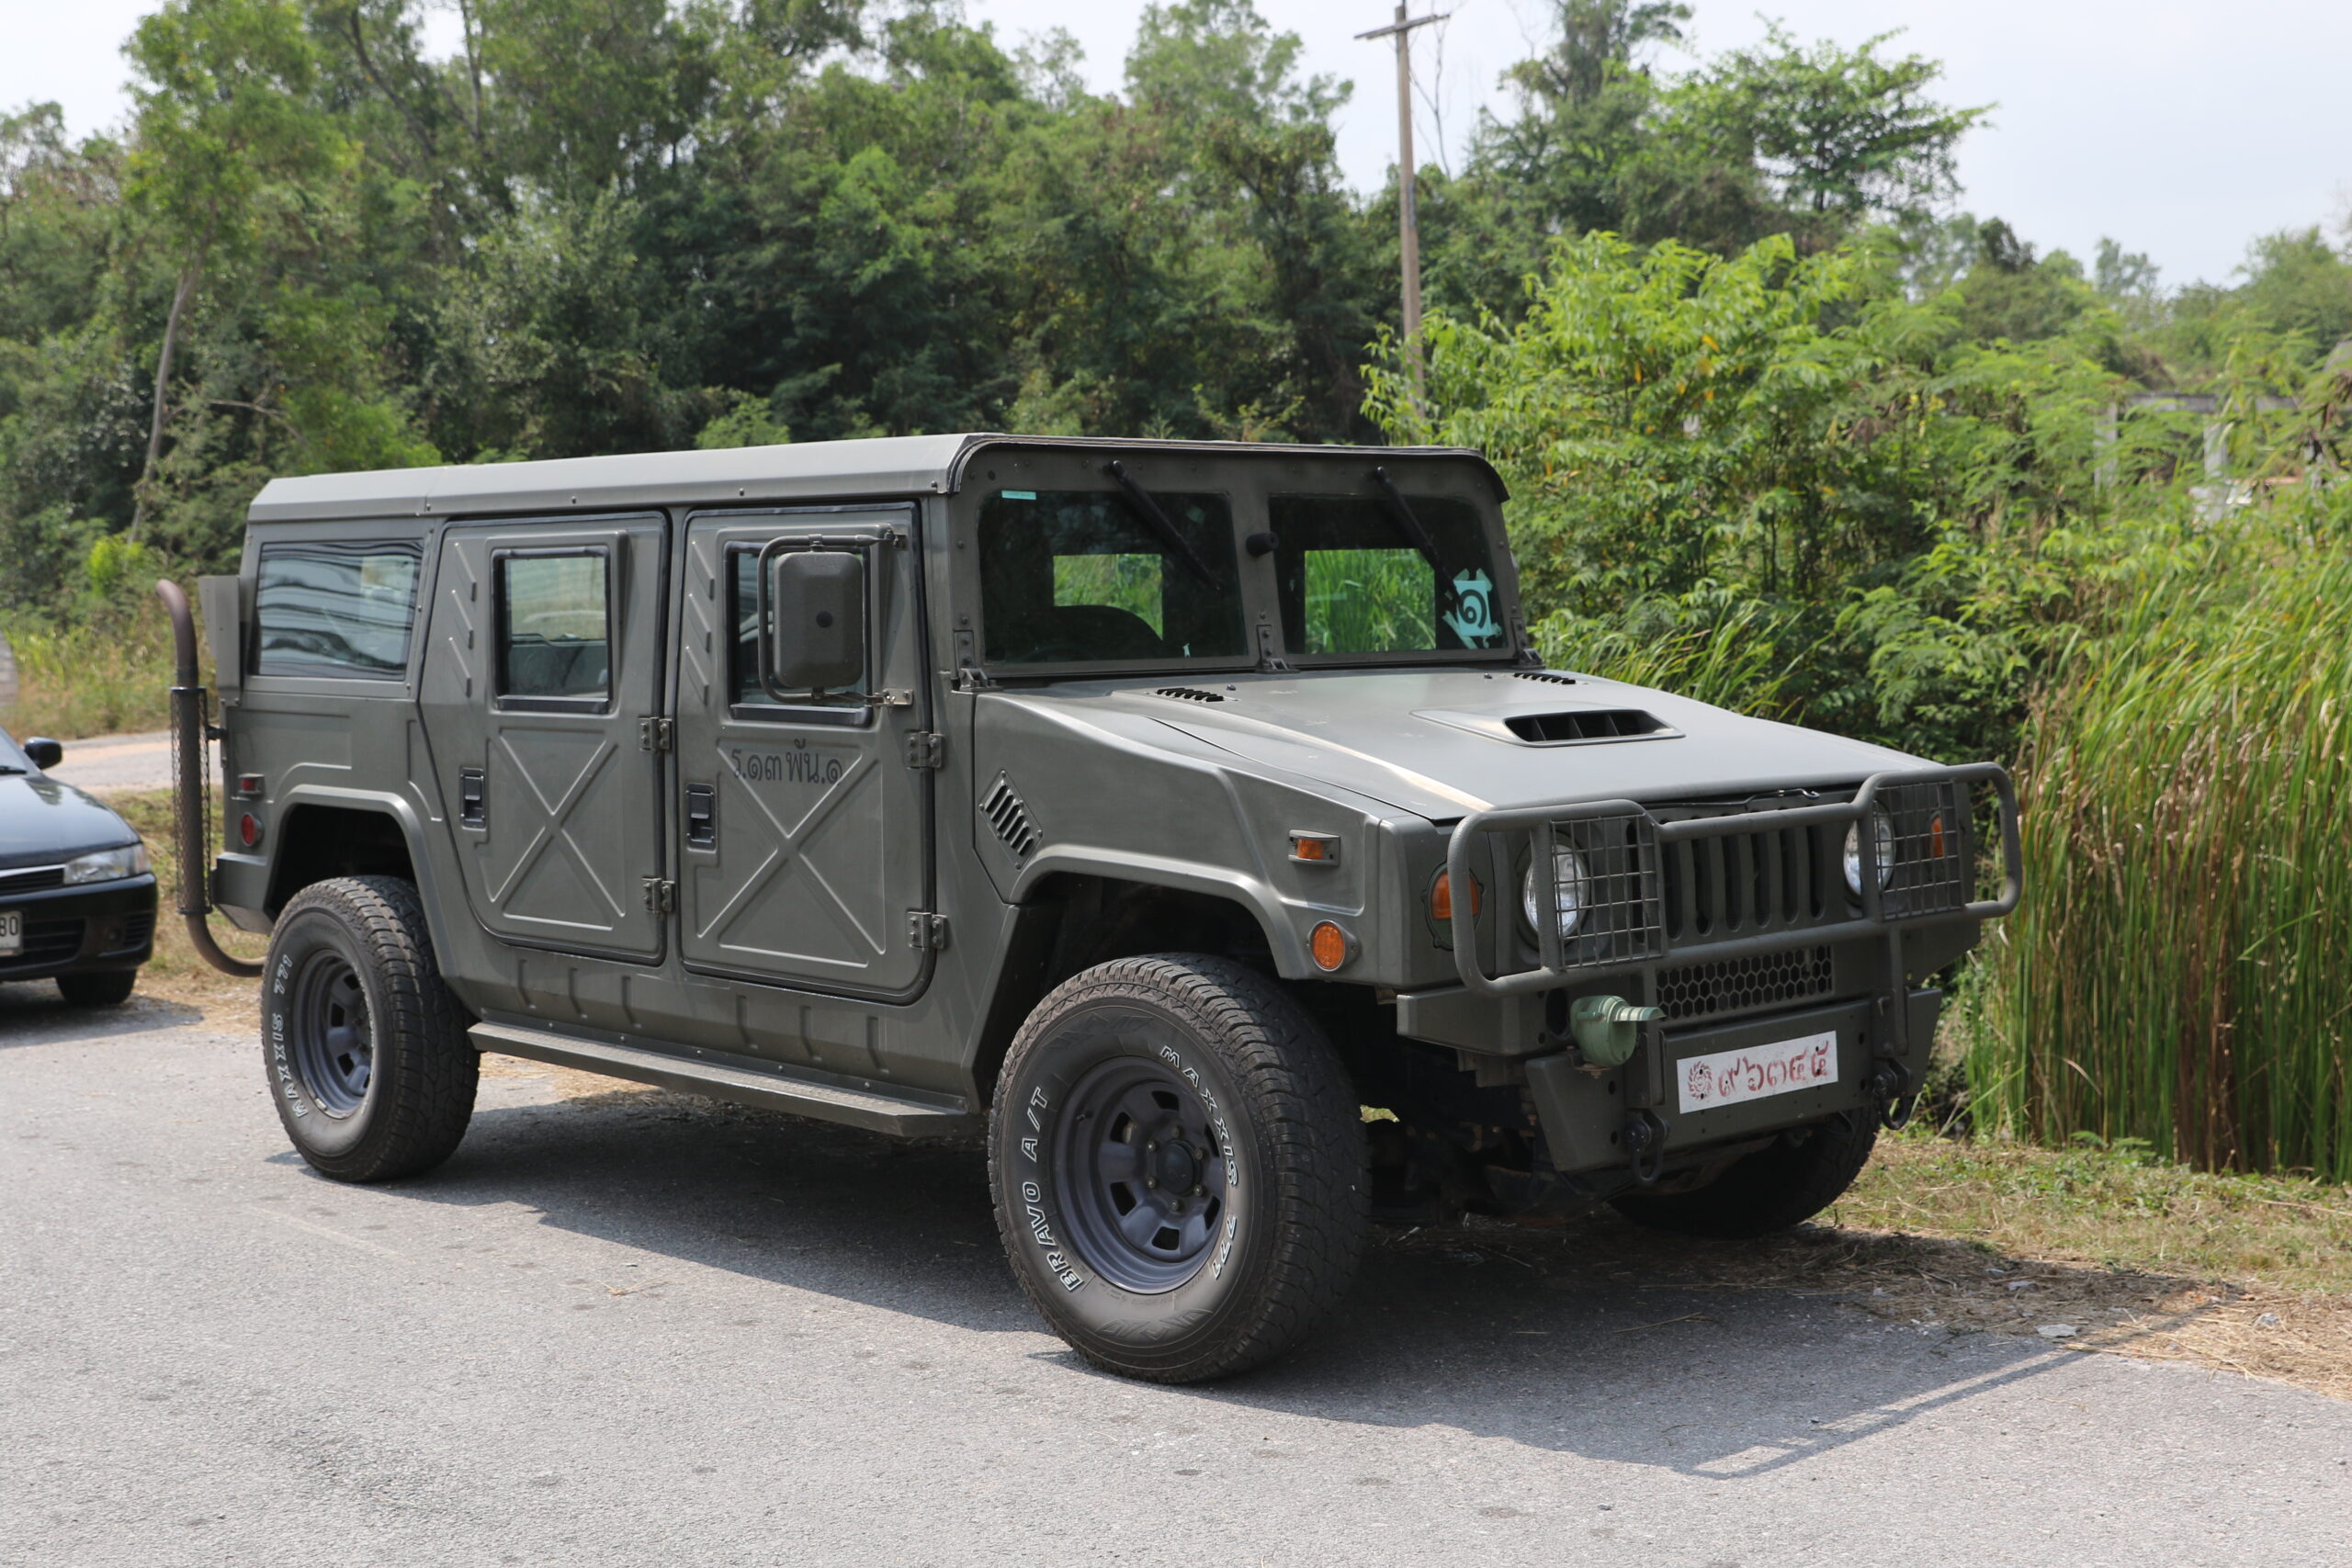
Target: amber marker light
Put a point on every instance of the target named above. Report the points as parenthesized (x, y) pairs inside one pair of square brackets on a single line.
[(1441, 896), (1329, 945), (1313, 848), (1936, 837)]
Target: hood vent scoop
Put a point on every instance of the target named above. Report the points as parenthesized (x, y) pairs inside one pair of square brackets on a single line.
[(1188, 695), (1585, 725), (1545, 675), (1009, 818)]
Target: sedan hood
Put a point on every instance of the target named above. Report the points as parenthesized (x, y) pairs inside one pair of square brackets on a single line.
[(45, 820), (1442, 744)]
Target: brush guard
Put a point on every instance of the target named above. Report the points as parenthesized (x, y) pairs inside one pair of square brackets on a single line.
[(192, 728)]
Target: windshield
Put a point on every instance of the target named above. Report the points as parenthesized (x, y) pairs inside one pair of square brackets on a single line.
[(1070, 577), (1354, 581), (13, 760)]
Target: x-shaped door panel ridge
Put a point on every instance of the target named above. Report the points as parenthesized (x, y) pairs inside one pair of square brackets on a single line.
[(552, 826), (785, 847)]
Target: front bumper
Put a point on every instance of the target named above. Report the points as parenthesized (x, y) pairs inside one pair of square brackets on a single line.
[(1737, 906), (70, 930)]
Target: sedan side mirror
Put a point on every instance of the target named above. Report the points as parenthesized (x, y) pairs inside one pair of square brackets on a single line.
[(813, 623), (44, 752)]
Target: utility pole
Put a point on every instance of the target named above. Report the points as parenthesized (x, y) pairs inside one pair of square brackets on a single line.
[(1409, 224)]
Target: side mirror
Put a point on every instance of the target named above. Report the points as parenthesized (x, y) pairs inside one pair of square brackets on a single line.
[(44, 752), (812, 623)]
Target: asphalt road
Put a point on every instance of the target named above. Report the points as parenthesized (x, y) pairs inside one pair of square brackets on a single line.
[(630, 1330), (104, 763)]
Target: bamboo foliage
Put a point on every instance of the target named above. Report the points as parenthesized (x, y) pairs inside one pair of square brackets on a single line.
[(2181, 969)]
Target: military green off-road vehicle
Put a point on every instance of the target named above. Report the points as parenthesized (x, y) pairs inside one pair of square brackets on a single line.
[(1191, 820)]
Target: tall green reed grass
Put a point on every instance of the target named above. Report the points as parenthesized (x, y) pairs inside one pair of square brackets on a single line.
[(2180, 970)]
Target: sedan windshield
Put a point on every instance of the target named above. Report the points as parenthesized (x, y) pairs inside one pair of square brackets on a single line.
[(1071, 577), (1355, 578)]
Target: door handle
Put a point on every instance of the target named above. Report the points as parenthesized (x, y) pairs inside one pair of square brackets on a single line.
[(471, 792), (702, 816)]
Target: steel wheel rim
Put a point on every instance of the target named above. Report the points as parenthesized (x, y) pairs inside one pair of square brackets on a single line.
[(1143, 1175), (333, 1041)]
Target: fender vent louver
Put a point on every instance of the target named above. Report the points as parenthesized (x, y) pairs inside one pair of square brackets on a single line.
[(1009, 818), (1585, 724), (1545, 675), (1188, 695)]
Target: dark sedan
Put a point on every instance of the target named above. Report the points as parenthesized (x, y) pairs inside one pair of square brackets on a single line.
[(77, 897)]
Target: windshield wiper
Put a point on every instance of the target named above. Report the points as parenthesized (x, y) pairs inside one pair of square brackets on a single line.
[(1169, 533), (1402, 511), (12, 768)]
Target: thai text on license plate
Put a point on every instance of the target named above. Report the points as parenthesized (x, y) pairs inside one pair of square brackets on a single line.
[(12, 931), (1754, 1072)]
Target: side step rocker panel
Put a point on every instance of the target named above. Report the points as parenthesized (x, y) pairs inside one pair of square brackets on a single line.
[(902, 1112)]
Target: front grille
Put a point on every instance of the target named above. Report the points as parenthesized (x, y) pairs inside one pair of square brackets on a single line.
[(33, 879), (46, 943), (1737, 885), (1740, 985)]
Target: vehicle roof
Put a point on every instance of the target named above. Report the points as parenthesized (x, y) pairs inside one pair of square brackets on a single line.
[(812, 470)]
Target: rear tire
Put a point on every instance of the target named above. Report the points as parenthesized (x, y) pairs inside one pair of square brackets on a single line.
[(1768, 1190), (105, 988), (1178, 1167), (368, 1062)]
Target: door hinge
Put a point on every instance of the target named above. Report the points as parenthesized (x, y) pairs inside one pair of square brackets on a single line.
[(926, 749), (661, 894), (926, 932), (657, 733)]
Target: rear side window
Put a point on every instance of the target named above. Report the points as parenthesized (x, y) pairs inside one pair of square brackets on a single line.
[(332, 609), (554, 629)]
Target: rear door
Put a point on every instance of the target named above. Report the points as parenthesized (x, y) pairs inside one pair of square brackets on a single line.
[(543, 685), (803, 830)]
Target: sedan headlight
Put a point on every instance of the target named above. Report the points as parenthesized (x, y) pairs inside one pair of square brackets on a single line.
[(1883, 830), (1571, 891), (108, 865)]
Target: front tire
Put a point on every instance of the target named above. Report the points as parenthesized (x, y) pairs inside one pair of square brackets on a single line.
[(1766, 1191), (1178, 1167), (103, 988), (368, 1062)]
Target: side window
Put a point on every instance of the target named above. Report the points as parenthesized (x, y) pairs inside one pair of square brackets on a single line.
[(554, 629), (334, 609), (744, 662)]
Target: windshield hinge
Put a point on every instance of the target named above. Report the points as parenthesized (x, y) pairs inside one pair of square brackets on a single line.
[(969, 676), (661, 896), (1269, 661), (656, 734), (926, 749), (1527, 658), (926, 932)]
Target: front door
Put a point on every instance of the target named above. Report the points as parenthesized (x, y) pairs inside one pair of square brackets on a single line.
[(543, 679), (803, 831)]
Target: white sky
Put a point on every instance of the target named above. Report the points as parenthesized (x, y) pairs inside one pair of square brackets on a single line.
[(2182, 127)]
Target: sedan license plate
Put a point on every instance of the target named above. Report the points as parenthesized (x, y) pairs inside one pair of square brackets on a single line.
[(12, 932), (1756, 1072)]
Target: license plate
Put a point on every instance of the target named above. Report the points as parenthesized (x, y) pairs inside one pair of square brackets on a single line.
[(12, 932), (1757, 1072)]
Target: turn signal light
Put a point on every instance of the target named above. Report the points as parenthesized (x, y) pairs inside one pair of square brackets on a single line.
[(1329, 945), (1936, 837), (1442, 897)]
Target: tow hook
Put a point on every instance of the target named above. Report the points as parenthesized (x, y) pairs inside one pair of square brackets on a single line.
[(1608, 1029), (1894, 1106), (1645, 1142)]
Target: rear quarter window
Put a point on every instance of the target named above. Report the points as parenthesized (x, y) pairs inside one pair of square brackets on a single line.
[(341, 610)]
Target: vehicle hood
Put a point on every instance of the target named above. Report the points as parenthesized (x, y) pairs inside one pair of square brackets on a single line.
[(1437, 742), (44, 820)]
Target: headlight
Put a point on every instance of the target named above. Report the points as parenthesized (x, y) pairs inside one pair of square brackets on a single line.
[(1883, 830), (108, 865), (1571, 890)]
